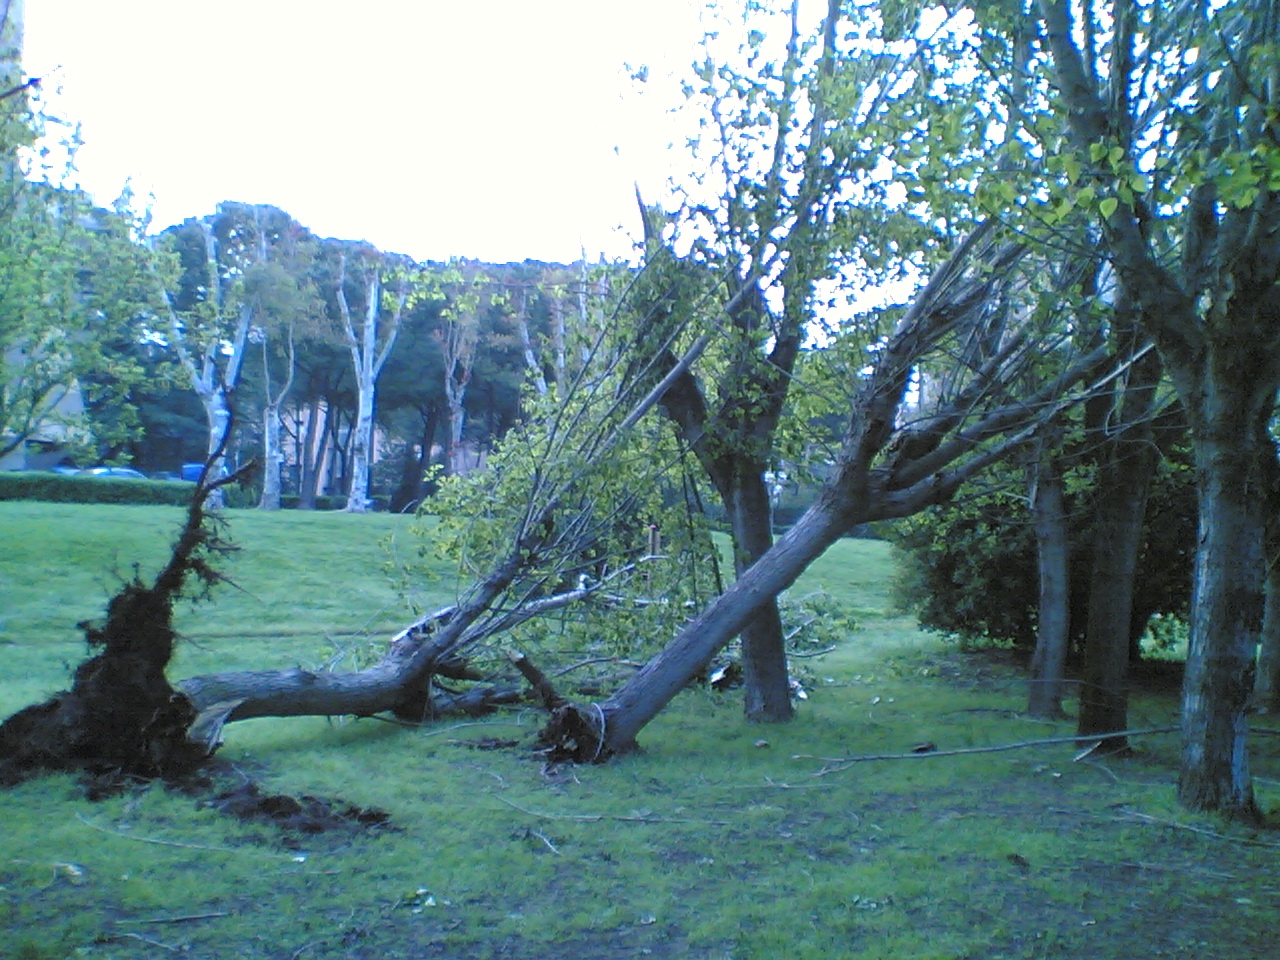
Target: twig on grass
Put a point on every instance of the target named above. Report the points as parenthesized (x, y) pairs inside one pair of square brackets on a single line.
[(1101, 766), (147, 940), (811, 653), (1179, 868), (840, 763), (597, 817), (543, 837), (163, 843), (185, 918), (1131, 815)]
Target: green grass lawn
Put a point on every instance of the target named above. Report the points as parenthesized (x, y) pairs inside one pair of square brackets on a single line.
[(720, 839)]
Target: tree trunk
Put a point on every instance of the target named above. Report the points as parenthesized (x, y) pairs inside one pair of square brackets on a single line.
[(1053, 548), (1266, 689), (361, 444), (272, 458), (883, 471), (313, 444), (767, 685), (1127, 466), (272, 449), (455, 456), (412, 487), (1121, 508), (217, 414), (1226, 615), (641, 699)]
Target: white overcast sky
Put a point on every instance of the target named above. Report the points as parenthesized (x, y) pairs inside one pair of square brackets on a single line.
[(501, 130)]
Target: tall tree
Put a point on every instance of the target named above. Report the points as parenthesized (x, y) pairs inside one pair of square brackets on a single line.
[(369, 347), (209, 315), (1171, 114)]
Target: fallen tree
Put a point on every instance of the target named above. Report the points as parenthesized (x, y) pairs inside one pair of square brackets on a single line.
[(122, 717), (894, 461)]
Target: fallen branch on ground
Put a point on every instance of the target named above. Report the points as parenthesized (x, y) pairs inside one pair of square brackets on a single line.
[(1131, 815), (840, 763), (597, 817)]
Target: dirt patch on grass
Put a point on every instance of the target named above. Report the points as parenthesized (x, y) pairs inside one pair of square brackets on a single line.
[(305, 814)]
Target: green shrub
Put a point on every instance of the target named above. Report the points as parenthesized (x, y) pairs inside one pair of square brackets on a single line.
[(60, 488), (969, 568), (57, 488)]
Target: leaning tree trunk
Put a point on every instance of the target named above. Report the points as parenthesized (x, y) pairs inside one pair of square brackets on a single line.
[(1053, 549), (767, 684), (644, 696)]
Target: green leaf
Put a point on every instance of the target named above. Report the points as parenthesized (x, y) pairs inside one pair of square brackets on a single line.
[(1108, 206)]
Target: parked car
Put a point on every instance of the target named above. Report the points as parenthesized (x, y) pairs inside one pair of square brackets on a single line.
[(125, 472)]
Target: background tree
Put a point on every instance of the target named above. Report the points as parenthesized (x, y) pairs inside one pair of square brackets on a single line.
[(287, 307), (74, 299), (370, 345), (209, 316), (412, 397)]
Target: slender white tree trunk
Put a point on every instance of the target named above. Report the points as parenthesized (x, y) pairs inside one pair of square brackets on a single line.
[(367, 360)]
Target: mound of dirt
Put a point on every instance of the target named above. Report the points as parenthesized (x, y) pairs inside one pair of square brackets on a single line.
[(305, 814)]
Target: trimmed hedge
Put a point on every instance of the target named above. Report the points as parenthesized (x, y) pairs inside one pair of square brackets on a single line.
[(59, 488), (63, 488), (73, 488)]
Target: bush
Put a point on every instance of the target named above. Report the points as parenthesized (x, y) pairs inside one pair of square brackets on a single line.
[(57, 488), (290, 501), (61, 488), (969, 569)]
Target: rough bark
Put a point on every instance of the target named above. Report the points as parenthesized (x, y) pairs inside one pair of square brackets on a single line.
[(1227, 607), (1127, 466), (1053, 548), (766, 679), (1266, 689)]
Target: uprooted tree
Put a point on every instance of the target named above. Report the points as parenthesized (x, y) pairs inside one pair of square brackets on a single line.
[(897, 457)]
